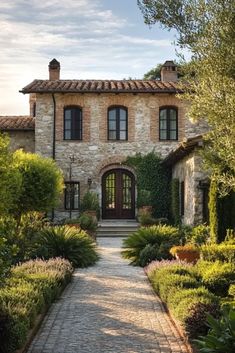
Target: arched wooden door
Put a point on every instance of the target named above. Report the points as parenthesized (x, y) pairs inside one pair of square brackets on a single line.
[(118, 194)]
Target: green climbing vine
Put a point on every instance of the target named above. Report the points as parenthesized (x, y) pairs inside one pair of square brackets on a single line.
[(153, 179)]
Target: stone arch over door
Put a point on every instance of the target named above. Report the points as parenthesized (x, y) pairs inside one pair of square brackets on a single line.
[(118, 193)]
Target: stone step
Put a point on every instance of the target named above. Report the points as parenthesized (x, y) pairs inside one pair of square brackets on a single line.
[(116, 228)]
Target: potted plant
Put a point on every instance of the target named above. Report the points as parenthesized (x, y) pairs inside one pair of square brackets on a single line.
[(89, 224), (144, 201), (74, 222), (188, 252), (90, 205)]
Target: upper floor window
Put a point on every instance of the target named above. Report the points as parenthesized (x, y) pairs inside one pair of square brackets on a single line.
[(117, 123), (168, 123), (72, 123)]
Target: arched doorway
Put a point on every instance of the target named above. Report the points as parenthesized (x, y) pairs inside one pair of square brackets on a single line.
[(118, 194)]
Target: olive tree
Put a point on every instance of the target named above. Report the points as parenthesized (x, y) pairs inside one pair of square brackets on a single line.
[(206, 28)]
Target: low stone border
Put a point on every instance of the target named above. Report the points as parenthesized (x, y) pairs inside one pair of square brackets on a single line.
[(174, 322)]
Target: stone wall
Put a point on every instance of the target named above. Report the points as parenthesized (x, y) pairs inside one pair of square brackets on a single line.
[(22, 139), (190, 170), (95, 152)]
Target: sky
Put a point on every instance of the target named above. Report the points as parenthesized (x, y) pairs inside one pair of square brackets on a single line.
[(92, 39)]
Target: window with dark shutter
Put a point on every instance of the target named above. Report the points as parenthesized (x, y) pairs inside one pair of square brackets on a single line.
[(117, 123), (72, 195), (168, 123), (72, 123)]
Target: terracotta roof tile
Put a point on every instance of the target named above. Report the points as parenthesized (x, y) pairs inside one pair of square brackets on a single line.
[(17, 123), (105, 86), (184, 148)]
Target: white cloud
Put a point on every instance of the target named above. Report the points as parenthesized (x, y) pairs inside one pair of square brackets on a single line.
[(88, 40)]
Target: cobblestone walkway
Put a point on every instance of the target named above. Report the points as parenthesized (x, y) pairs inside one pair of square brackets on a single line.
[(108, 308)]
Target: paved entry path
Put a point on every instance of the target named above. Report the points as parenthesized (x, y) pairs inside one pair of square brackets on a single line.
[(108, 308)]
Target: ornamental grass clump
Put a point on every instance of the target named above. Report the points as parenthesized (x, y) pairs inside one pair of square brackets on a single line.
[(150, 243), (27, 292), (69, 243)]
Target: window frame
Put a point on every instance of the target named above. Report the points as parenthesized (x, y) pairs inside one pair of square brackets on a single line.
[(72, 130), (71, 208), (168, 130), (118, 130)]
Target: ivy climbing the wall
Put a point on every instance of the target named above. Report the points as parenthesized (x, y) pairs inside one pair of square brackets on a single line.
[(153, 178)]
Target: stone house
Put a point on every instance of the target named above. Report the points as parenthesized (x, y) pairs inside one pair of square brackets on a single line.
[(21, 130), (193, 183), (90, 127)]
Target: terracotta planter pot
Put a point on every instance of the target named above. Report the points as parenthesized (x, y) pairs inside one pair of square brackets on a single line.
[(92, 214), (146, 209), (76, 225), (188, 256)]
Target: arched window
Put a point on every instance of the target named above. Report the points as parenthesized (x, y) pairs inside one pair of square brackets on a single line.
[(72, 123), (117, 123), (168, 123)]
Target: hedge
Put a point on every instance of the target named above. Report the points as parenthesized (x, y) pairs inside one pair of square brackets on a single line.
[(221, 252), (188, 301), (29, 290)]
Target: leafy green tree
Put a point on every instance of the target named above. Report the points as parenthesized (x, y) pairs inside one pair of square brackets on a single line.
[(207, 29), (154, 73), (10, 178), (42, 182)]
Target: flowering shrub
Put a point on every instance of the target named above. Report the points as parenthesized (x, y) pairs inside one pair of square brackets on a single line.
[(31, 287), (155, 265)]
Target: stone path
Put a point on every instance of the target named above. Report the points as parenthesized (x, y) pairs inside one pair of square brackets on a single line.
[(108, 308)]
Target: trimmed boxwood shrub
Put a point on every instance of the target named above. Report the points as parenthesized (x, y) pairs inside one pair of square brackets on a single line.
[(31, 288), (158, 240), (171, 283), (222, 252), (179, 288), (168, 279), (218, 278)]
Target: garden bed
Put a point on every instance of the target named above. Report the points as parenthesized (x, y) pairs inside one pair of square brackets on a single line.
[(26, 296)]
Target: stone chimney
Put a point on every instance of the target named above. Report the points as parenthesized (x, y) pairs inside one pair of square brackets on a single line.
[(169, 72), (54, 70)]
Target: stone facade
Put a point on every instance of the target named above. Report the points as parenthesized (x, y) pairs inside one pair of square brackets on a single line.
[(94, 155), (190, 171), (22, 140), (20, 129), (95, 152)]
